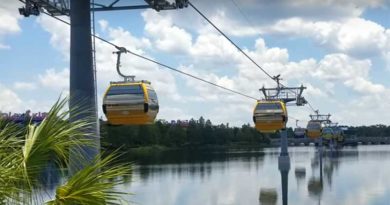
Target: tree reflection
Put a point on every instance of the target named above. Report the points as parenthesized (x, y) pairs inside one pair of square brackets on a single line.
[(199, 163), (327, 162), (268, 196), (300, 174), (315, 187)]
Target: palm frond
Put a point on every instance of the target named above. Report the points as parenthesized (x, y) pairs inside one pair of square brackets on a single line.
[(52, 139), (25, 152), (10, 176), (94, 184)]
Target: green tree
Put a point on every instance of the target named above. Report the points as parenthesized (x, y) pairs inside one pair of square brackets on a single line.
[(193, 133), (163, 133), (148, 135), (177, 136), (208, 133), (201, 122)]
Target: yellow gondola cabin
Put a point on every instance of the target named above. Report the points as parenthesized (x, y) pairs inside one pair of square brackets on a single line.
[(327, 133), (270, 116), (130, 103), (313, 129)]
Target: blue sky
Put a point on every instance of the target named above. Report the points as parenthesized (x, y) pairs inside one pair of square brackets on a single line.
[(340, 50)]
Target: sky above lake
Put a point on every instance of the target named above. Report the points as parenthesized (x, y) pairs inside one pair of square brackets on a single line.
[(338, 49)]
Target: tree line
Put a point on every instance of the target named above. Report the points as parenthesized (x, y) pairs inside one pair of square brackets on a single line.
[(194, 133), (369, 131), (202, 133)]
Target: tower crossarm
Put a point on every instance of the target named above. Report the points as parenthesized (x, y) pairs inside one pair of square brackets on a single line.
[(285, 94), (53, 7), (61, 7)]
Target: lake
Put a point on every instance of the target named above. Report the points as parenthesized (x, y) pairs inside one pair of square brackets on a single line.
[(352, 176)]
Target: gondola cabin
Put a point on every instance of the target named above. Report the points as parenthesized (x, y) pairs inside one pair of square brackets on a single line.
[(338, 134), (313, 129), (299, 132), (270, 116), (327, 133), (130, 103)]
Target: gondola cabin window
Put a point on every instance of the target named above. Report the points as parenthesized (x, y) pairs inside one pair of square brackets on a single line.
[(269, 106)]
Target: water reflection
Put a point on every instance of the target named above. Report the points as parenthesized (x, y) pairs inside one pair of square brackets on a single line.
[(344, 176), (195, 164), (268, 196)]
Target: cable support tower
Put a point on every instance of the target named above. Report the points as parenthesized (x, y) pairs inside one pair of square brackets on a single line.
[(323, 118), (283, 93), (331, 124), (93, 25)]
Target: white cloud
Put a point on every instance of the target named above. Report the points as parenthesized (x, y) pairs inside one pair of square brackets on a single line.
[(167, 37), (9, 20), (124, 38), (368, 109), (354, 73), (340, 66), (24, 86), (314, 91), (213, 47), (235, 113), (228, 17), (387, 59), (171, 113), (4, 47), (60, 33), (354, 36), (103, 24), (9, 100), (364, 86), (56, 80), (361, 37)]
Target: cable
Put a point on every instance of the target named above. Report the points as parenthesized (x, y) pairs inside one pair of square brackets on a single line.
[(243, 14), (160, 64), (246, 55), (235, 45), (179, 71), (190, 75), (294, 118), (311, 107)]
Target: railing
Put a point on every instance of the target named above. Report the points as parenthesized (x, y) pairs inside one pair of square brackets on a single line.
[(347, 141)]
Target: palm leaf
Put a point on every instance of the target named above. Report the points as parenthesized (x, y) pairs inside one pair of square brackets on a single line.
[(52, 140), (10, 143), (26, 152), (94, 184)]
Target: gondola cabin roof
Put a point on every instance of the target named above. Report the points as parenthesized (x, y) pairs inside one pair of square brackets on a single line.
[(129, 82)]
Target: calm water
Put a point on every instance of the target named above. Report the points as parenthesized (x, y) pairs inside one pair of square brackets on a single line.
[(355, 176)]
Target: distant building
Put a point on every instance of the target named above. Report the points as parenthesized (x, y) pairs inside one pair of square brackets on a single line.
[(24, 117), (181, 123)]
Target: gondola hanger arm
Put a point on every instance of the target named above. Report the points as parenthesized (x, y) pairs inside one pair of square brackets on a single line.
[(118, 64)]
